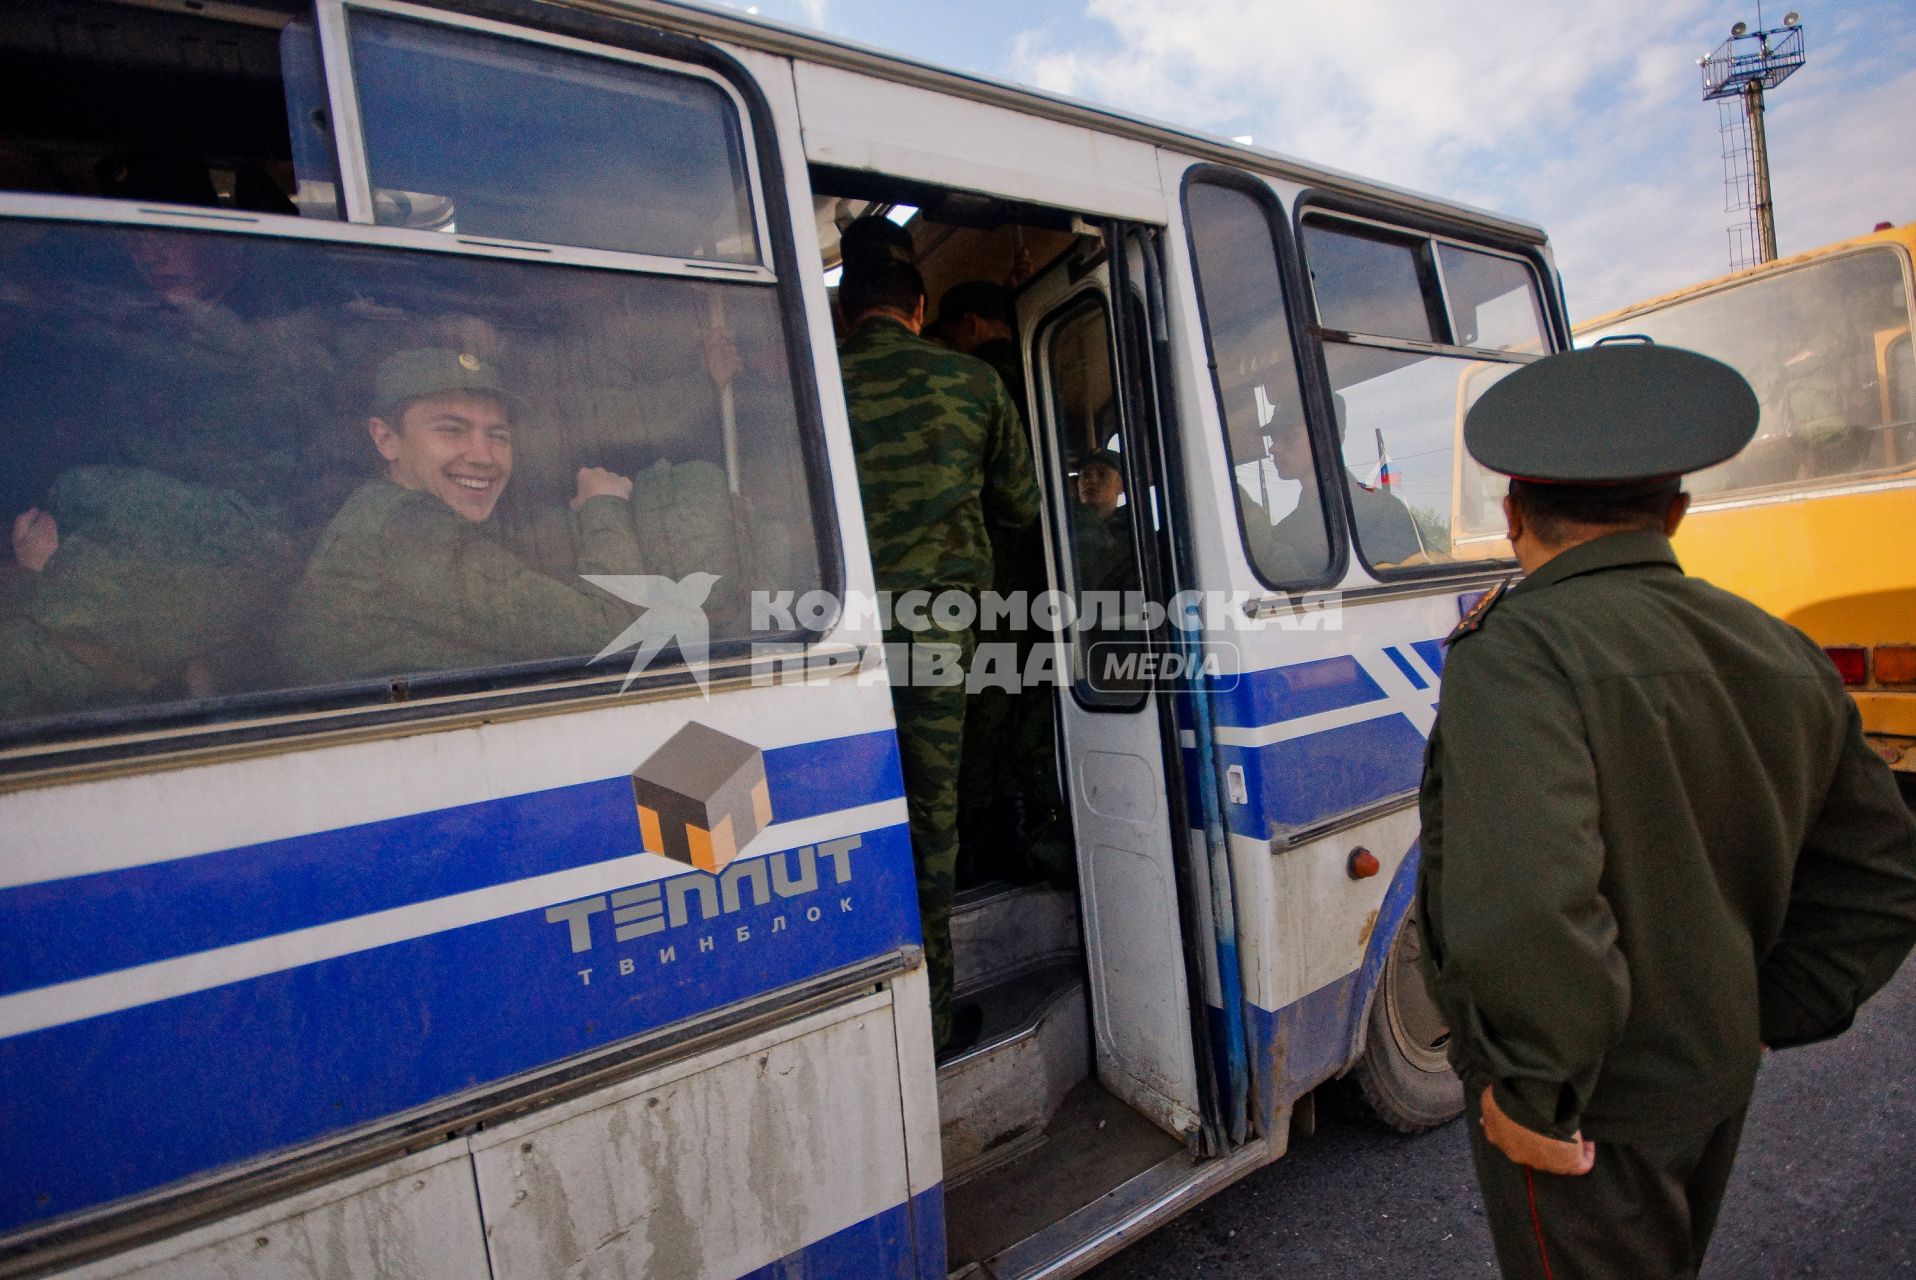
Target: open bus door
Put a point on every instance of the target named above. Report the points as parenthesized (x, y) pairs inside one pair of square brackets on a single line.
[(1148, 909)]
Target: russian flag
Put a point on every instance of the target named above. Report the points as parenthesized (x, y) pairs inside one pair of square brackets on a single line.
[(1383, 477)]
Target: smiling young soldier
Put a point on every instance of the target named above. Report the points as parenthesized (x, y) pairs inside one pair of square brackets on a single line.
[(1655, 840), (409, 575)]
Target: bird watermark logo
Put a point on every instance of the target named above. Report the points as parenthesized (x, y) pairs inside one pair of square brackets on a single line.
[(674, 617)]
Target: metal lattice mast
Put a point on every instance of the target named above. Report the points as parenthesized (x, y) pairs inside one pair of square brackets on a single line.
[(1739, 183), (1742, 68)]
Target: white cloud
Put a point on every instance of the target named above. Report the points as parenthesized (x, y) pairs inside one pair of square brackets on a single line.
[(1587, 119)]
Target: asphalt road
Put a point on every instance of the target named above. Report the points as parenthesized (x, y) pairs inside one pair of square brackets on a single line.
[(1825, 1184)]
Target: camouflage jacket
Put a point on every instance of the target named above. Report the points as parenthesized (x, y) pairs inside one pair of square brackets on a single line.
[(152, 573), (401, 583), (941, 457)]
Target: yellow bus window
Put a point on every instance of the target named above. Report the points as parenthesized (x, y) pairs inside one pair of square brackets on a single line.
[(1817, 344)]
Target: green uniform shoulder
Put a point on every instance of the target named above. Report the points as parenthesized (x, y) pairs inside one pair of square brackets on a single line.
[(881, 348), (1473, 620)]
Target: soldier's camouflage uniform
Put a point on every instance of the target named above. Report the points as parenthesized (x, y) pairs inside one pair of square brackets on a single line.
[(688, 521), (400, 583), (942, 458), (152, 574)]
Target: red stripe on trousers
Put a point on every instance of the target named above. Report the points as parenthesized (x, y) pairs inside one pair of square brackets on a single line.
[(1536, 1223)]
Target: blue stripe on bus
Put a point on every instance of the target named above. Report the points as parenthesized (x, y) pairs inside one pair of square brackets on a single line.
[(1309, 1041), (886, 1246), (928, 1232), (1277, 694), (1411, 674), (1304, 1043), (1320, 775), (126, 1102), (1432, 652), (116, 919)]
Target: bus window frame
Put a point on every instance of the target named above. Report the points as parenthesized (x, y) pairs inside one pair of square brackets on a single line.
[(1086, 299), (187, 731), (1317, 406), (355, 171), (1548, 282)]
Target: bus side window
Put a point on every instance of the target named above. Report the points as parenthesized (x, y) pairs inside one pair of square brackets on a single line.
[(141, 104), (242, 467), (1818, 345), (1384, 296), (482, 136), (1246, 323), (1491, 300)]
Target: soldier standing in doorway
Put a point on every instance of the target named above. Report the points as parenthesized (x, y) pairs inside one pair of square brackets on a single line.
[(942, 460)]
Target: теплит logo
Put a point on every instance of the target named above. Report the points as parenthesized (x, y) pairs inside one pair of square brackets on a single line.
[(702, 797)]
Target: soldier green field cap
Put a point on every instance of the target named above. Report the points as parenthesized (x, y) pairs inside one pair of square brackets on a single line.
[(1612, 414), (432, 371), (871, 241)]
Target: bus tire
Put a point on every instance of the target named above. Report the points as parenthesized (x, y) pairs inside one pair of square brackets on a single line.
[(1403, 1078)]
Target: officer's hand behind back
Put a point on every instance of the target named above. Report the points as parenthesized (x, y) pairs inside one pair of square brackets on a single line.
[(1572, 1157)]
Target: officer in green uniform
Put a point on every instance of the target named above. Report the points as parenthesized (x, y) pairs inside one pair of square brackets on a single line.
[(408, 576), (942, 460), (1655, 840)]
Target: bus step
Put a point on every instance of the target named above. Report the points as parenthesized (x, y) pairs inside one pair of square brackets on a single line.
[(1100, 1168), (995, 1099), (1000, 929)]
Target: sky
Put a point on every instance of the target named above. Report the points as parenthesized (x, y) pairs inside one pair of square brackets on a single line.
[(1587, 119)]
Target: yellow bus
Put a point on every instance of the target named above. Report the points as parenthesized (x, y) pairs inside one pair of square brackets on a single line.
[(1813, 520)]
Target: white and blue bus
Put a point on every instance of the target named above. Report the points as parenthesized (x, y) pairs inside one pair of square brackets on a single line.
[(513, 963)]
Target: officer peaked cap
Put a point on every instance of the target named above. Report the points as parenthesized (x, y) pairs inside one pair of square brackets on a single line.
[(1612, 414)]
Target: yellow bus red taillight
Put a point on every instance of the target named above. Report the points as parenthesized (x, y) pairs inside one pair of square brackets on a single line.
[(1852, 662)]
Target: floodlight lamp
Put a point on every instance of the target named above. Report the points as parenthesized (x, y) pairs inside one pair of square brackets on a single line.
[(1739, 29), (1792, 18)]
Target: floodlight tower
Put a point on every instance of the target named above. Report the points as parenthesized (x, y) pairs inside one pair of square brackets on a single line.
[(1743, 67)]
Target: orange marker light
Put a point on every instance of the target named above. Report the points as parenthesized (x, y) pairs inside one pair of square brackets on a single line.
[(1896, 664), (1363, 864)]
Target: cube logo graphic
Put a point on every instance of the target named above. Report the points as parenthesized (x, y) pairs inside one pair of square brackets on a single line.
[(702, 797)]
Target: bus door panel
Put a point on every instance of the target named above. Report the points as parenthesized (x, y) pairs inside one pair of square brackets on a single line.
[(1113, 759)]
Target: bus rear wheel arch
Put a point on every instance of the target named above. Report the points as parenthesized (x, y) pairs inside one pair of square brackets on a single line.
[(1403, 1079)]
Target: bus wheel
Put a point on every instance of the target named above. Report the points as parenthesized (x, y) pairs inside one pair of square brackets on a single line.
[(1403, 1078)]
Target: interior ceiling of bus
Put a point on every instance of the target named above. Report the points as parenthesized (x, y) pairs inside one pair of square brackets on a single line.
[(74, 66), (959, 235)]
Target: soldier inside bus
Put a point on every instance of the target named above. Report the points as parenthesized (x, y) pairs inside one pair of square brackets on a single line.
[(409, 576), (1101, 526), (1293, 548), (151, 538)]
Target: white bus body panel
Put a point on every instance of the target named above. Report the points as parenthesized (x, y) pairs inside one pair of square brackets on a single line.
[(728, 1163), (413, 1219), (861, 122)]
